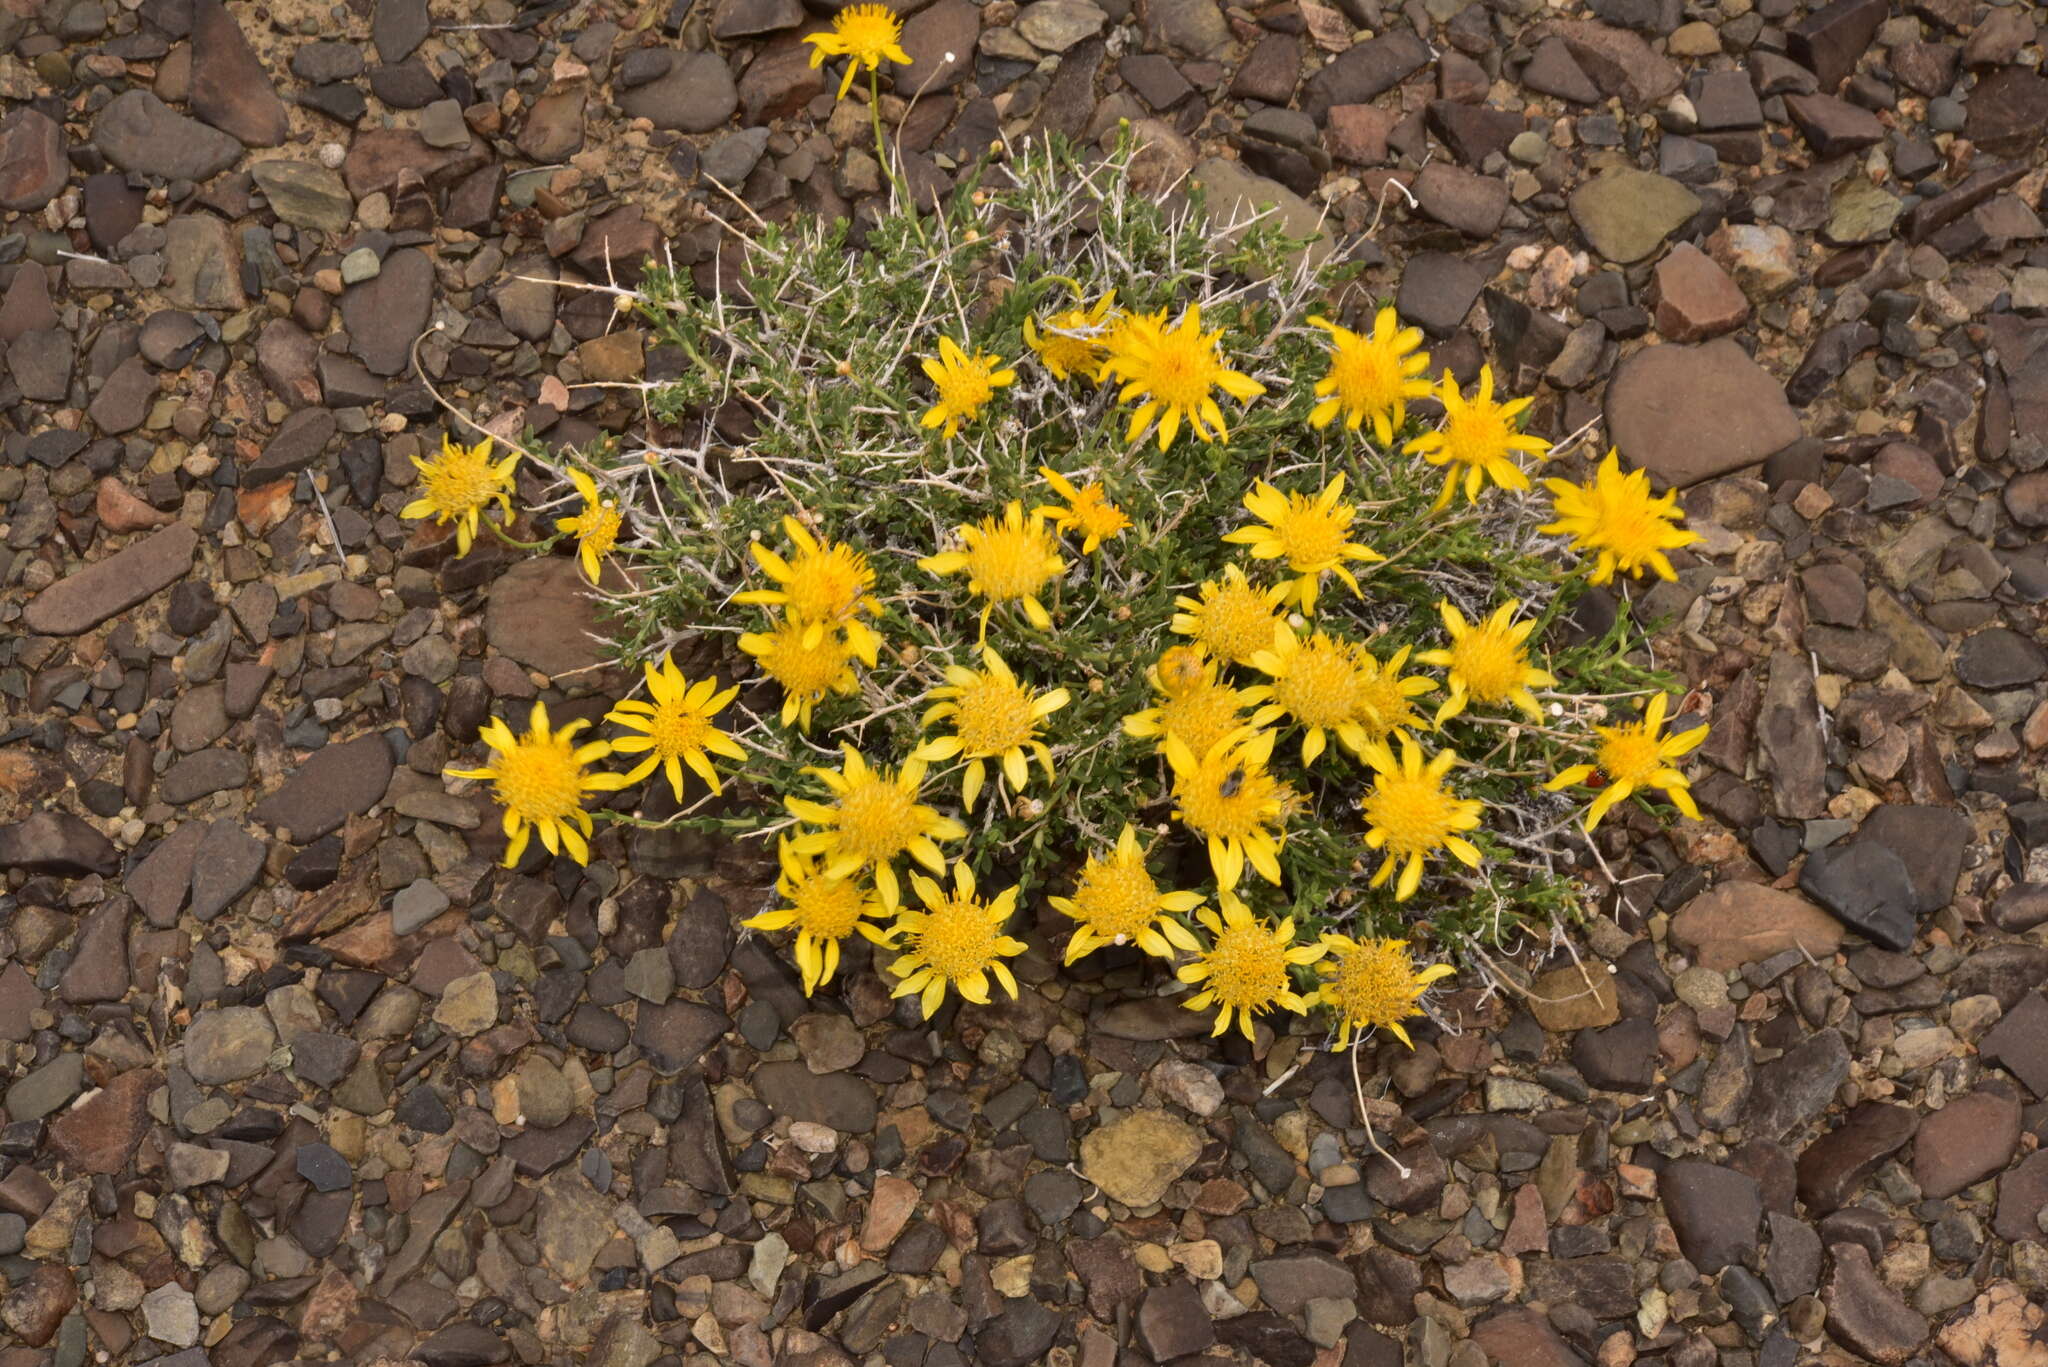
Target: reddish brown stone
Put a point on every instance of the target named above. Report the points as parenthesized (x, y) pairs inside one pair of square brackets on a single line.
[(100, 1135), (1357, 133), (1696, 299)]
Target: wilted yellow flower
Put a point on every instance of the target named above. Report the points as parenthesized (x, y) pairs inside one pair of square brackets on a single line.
[(1311, 535), (806, 672), (1319, 683), (1117, 900), (540, 779), (1617, 517), (1245, 971), (1074, 340), (821, 585), (1371, 376), (1087, 511), (596, 528), (874, 817), (824, 910), (1634, 758), (1230, 798), (994, 717), (1194, 706), (957, 941), (677, 725), (1478, 441), (1173, 369), (1008, 560), (1230, 617), (869, 34), (1488, 661), (1372, 985), (1410, 814), (459, 484), (964, 384)]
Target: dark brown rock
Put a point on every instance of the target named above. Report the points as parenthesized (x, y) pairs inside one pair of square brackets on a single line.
[(100, 1134), (230, 88), (1866, 1316), (1691, 413), (1835, 1166), (33, 167), (1830, 41), (81, 601)]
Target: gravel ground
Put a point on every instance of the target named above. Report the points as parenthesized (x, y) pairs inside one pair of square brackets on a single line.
[(291, 1071)]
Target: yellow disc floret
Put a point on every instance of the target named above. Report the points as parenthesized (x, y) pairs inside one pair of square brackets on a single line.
[(1008, 560), (1310, 535), (1410, 814), (1616, 517), (1247, 968), (994, 717), (596, 528), (677, 727), (957, 941), (1074, 341), (1633, 758), (1230, 617), (821, 585), (540, 779), (964, 383), (1488, 661), (1087, 511), (1319, 683), (1116, 901), (1194, 706), (1373, 985), (824, 910), (807, 662), (869, 34), (459, 484), (1173, 370), (1477, 441), (1371, 377), (1231, 799)]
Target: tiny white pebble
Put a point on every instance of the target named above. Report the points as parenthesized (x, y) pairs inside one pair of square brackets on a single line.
[(950, 57)]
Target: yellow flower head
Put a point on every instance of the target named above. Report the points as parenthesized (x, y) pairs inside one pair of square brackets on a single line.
[(870, 34), (1384, 694), (1634, 758), (1372, 376), (677, 727), (1245, 971), (964, 384), (1312, 535), (1478, 441), (1231, 619), (459, 484), (1373, 985), (1008, 560), (824, 910), (957, 941), (596, 528), (1231, 799), (994, 717), (807, 672), (821, 585), (540, 779), (1193, 705), (1488, 661), (1117, 901), (1319, 683), (1074, 340), (1618, 517), (873, 817), (1087, 511), (1411, 814), (1174, 369)]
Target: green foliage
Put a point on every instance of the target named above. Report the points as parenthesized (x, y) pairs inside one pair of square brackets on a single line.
[(814, 373)]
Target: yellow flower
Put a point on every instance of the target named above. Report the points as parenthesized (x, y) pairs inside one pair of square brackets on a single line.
[(1194, 706), (1477, 440), (1088, 511), (1617, 516), (1231, 799), (874, 816), (1008, 560), (1230, 618), (1411, 815), (596, 528), (1488, 661), (1372, 376), (1310, 534), (678, 726), (822, 586), (1633, 758), (1372, 985), (806, 672), (1074, 339), (1117, 900), (1384, 693), (964, 384), (994, 717), (540, 779), (459, 484), (1320, 683), (824, 910), (1245, 969), (869, 34), (1174, 369), (957, 941)]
